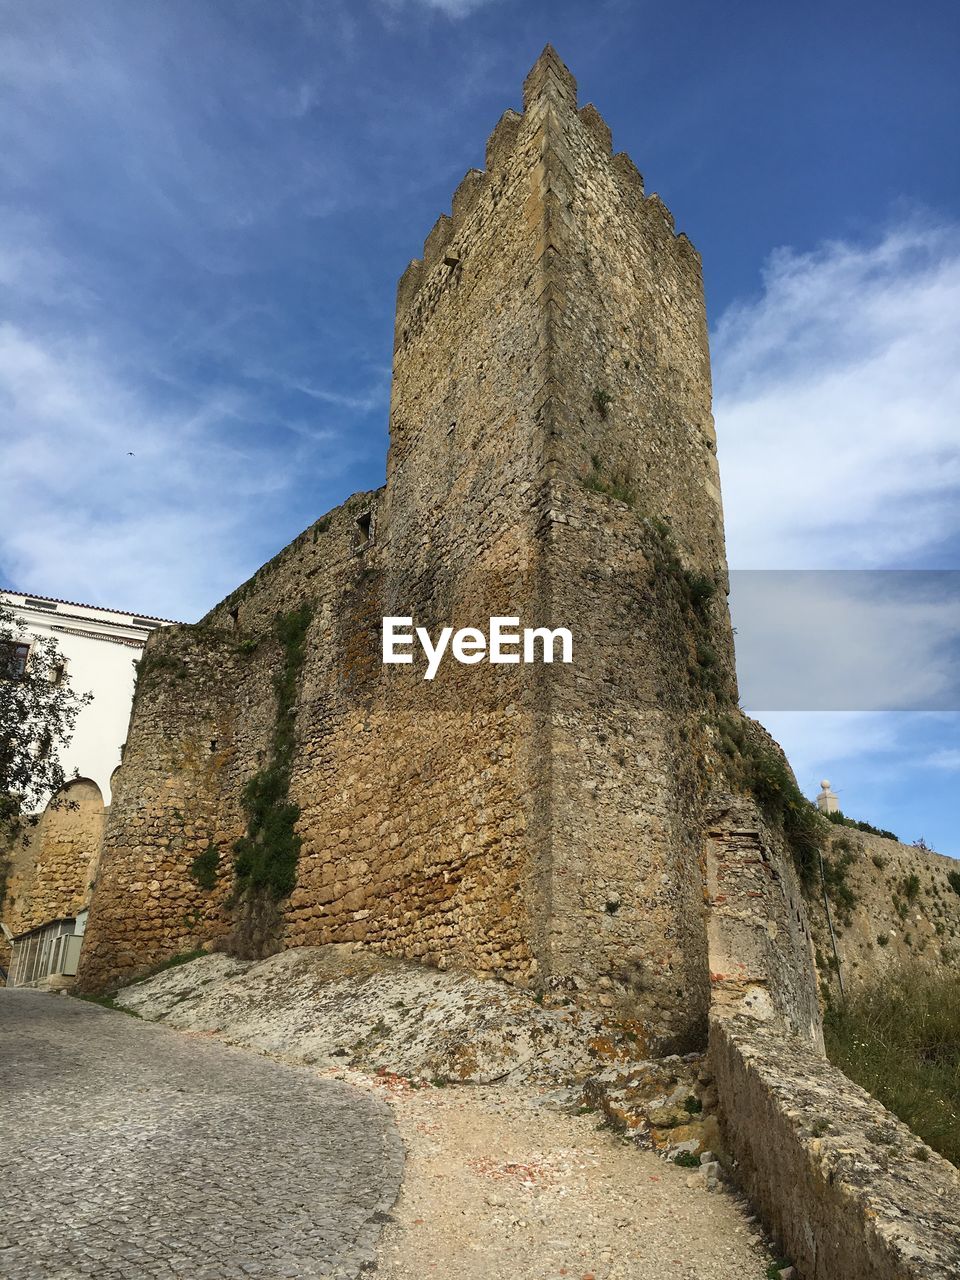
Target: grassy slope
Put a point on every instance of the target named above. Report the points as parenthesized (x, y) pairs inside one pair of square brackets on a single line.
[(900, 1039)]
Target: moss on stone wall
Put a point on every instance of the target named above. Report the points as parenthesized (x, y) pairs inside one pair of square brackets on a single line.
[(205, 866), (762, 771), (266, 856)]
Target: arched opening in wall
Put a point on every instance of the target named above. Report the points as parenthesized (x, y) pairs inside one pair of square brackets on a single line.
[(53, 884), (71, 832), (76, 793)]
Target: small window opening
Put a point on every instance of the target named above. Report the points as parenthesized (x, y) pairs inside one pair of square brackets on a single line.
[(363, 524), (13, 659), (235, 616), (213, 744)]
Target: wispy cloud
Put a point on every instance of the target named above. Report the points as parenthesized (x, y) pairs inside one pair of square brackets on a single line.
[(887, 767), (176, 397), (867, 640), (836, 402), (948, 758), (129, 497), (819, 743), (451, 8)]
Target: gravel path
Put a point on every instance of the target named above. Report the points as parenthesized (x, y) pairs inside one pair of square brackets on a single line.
[(497, 1187), (132, 1151)]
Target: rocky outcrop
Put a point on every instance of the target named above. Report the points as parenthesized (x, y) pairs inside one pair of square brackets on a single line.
[(346, 1005)]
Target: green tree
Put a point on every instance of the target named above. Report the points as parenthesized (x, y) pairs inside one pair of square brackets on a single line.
[(38, 713)]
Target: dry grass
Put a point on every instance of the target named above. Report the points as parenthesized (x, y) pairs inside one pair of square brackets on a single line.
[(900, 1039)]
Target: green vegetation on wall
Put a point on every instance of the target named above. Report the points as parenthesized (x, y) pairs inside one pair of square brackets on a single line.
[(156, 662), (617, 483), (759, 769), (602, 400), (834, 867), (204, 867), (266, 857), (842, 820), (694, 593)]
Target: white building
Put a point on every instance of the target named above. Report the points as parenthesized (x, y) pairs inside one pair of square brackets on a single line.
[(49, 874), (100, 647)]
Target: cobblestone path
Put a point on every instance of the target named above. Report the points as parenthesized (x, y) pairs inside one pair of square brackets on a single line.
[(137, 1152)]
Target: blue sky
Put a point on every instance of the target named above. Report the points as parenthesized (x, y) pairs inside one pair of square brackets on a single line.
[(206, 205)]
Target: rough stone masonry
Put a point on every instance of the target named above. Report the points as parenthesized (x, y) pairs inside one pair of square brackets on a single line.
[(552, 457)]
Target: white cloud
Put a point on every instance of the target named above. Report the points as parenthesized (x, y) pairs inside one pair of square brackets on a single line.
[(839, 641), (836, 403), (130, 498), (948, 758), (822, 744), (451, 8)]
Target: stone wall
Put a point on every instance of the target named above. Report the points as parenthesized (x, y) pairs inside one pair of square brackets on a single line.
[(848, 1191), (552, 457), (197, 725), (632, 519), (53, 864), (902, 909), (760, 945)]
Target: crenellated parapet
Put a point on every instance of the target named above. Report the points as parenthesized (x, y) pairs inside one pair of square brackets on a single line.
[(501, 142), (597, 127), (550, 88)]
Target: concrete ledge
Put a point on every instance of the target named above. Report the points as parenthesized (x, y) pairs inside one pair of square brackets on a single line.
[(847, 1189)]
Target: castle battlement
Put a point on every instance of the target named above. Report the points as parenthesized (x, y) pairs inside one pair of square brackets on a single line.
[(549, 86)]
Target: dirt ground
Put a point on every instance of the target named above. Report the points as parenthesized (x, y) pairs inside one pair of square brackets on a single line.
[(496, 1185), (503, 1176)]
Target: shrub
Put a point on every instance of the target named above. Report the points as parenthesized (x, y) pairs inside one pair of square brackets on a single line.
[(760, 769), (602, 399), (835, 878), (616, 484), (900, 1038), (687, 1160), (911, 887), (841, 820), (267, 854), (204, 867)]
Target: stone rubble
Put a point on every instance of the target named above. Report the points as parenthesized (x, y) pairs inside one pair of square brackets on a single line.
[(345, 1006)]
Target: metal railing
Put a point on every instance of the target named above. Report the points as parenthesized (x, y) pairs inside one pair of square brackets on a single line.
[(53, 950)]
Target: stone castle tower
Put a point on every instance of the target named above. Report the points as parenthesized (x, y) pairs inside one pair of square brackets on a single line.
[(552, 457)]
